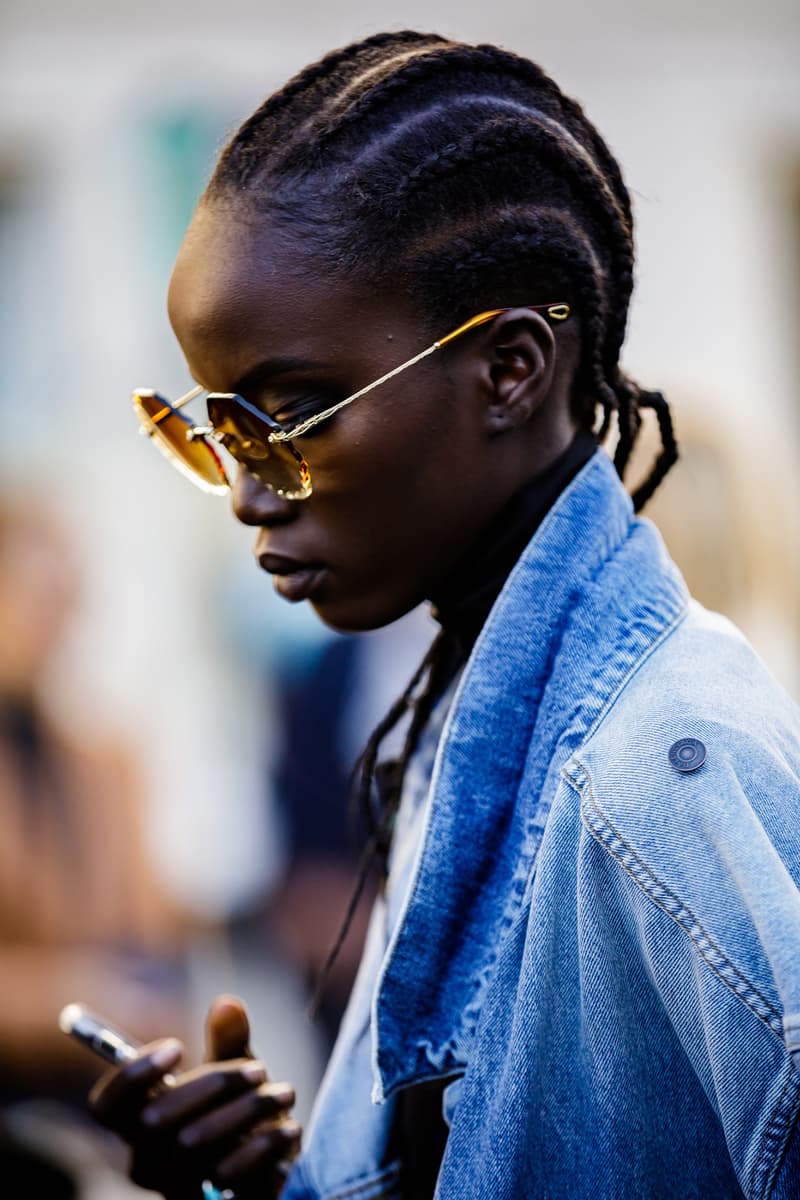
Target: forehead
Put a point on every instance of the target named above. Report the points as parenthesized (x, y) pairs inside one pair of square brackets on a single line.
[(243, 289)]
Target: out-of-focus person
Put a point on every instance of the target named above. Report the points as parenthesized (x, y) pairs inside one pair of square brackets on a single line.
[(81, 914)]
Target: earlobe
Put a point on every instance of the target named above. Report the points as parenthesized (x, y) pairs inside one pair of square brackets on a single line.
[(521, 360)]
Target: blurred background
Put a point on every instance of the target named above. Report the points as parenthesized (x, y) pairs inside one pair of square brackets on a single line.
[(153, 691)]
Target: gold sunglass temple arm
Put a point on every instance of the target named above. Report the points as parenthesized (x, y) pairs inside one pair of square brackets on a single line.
[(304, 426), (557, 312), (149, 422)]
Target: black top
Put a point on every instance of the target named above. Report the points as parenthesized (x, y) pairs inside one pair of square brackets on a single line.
[(461, 608)]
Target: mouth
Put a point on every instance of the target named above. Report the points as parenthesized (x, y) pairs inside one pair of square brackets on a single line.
[(293, 580)]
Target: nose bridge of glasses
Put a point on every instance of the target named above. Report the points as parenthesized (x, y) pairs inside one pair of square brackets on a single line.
[(225, 405), (199, 431)]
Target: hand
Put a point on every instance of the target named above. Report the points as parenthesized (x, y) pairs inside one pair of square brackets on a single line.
[(222, 1121)]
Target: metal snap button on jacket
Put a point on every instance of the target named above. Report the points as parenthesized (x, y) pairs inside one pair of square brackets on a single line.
[(687, 754)]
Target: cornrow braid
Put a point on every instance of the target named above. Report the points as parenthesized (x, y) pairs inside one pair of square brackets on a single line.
[(404, 134), (472, 61), (508, 138), (566, 259), (242, 158)]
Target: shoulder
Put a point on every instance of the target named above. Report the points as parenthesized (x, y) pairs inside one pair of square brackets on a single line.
[(716, 848), (704, 682)]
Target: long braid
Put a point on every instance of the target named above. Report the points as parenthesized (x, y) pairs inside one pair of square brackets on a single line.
[(376, 848), (365, 767), (669, 452)]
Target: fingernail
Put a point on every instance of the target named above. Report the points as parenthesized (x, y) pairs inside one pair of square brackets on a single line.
[(167, 1054), (291, 1130), (254, 1073), (282, 1093)]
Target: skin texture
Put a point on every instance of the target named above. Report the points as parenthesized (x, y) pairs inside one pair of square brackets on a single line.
[(404, 482), (405, 478)]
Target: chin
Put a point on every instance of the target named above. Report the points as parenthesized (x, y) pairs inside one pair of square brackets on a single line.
[(362, 614)]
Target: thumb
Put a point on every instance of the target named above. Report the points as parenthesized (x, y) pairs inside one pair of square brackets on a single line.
[(227, 1030)]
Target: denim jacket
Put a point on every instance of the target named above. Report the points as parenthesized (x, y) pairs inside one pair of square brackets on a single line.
[(599, 949)]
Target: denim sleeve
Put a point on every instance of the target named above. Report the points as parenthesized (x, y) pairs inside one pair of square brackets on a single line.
[(712, 977)]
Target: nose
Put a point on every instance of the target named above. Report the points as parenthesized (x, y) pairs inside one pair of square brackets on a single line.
[(254, 503)]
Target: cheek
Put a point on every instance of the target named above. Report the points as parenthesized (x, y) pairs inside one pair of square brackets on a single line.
[(391, 530), (372, 502), (392, 456)]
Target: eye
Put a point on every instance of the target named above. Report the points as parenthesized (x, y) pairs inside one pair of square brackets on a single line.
[(289, 411), (293, 410)]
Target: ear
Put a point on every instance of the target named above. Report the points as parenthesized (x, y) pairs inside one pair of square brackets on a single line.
[(517, 368)]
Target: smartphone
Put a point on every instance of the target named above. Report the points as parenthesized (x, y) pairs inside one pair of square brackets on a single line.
[(97, 1034), (110, 1043)]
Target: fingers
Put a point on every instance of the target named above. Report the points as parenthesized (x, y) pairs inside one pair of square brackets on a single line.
[(206, 1087), (268, 1103), (187, 1128), (227, 1030), (118, 1096), (145, 1095), (264, 1155), (195, 1126), (222, 1121)]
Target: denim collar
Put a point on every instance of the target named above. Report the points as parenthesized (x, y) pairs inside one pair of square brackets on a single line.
[(592, 593)]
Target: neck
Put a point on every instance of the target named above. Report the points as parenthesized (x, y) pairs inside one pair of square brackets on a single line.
[(463, 604)]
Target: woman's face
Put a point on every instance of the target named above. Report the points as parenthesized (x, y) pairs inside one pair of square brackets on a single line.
[(403, 479)]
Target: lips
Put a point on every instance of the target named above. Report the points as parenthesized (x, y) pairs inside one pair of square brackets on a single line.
[(293, 580)]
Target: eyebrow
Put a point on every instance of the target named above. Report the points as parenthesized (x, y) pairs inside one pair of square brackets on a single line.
[(273, 368)]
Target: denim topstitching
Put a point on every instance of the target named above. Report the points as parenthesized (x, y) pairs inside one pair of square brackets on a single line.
[(775, 1138), (604, 832)]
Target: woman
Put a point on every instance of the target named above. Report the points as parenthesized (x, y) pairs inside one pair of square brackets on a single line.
[(406, 289)]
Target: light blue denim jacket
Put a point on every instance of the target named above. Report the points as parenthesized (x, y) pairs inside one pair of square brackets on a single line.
[(600, 952)]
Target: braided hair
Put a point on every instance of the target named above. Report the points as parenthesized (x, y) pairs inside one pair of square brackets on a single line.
[(464, 176), (468, 177)]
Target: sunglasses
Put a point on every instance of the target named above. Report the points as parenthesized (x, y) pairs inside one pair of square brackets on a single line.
[(263, 446)]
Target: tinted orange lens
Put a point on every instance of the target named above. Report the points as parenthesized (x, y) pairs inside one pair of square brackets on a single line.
[(168, 428), (246, 438)]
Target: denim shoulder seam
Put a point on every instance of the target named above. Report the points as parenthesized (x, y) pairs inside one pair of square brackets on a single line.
[(604, 832)]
